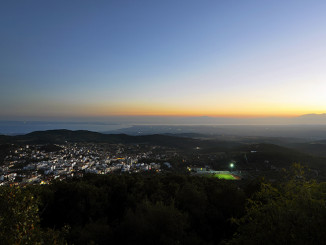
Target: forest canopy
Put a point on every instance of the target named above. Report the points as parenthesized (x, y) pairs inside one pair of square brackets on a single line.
[(167, 209)]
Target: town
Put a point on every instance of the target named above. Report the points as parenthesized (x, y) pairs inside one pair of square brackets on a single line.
[(40, 164), (41, 157)]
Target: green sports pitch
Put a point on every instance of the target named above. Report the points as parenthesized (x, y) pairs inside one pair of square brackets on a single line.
[(224, 176)]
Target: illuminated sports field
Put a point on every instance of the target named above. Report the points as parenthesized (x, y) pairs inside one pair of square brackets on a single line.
[(225, 176)]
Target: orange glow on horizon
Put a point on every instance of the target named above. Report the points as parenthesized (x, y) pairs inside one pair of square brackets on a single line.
[(249, 110), (197, 110), (187, 112)]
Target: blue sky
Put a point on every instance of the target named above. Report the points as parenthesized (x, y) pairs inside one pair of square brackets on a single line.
[(66, 59)]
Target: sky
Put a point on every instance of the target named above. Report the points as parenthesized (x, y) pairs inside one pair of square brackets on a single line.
[(90, 59)]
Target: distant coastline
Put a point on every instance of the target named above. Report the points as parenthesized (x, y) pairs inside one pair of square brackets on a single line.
[(303, 131), (24, 127)]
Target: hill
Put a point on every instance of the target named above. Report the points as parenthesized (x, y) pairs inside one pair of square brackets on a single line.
[(62, 136), (249, 152)]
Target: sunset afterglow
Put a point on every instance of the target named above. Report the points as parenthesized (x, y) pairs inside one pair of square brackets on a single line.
[(218, 59)]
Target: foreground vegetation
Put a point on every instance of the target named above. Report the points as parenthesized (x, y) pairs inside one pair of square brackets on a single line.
[(165, 209)]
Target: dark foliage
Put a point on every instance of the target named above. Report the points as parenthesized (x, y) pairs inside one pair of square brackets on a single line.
[(292, 212), (50, 148), (165, 209), (142, 209), (4, 151)]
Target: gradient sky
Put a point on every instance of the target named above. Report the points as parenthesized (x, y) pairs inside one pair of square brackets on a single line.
[(61, 59)]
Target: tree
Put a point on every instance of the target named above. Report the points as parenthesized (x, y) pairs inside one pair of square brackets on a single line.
[(153, 224), (290, 213), (19, 220), (19, 216)]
